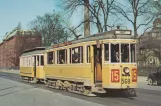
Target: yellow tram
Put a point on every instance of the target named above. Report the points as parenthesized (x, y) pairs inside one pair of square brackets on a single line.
[(32, 64), (93, 64)]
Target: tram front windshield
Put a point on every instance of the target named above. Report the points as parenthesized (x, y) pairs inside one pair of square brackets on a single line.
[(124, 53)]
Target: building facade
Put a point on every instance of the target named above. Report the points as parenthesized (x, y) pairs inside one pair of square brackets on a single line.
[(13, 46), (150, 47)]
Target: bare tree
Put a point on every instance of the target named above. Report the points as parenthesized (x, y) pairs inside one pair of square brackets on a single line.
[(100, 11), (136, 10), (157, 4), (51, 28)]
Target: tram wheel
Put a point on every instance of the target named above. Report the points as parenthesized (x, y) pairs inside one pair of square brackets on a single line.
[(132, 92), (150, 81), (38, 81)]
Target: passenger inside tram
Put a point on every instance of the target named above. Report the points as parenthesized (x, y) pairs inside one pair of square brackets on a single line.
[(76, 56), (115, 53), (61, 60)]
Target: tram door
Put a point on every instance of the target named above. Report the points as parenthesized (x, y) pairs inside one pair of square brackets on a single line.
[(34, 66), (97, 64)]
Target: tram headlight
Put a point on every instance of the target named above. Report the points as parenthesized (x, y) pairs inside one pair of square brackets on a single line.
[(126, 70)]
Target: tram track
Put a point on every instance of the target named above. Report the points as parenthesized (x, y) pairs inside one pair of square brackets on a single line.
[(144, 98)]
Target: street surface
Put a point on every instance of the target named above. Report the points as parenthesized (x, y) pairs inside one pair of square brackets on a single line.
[(14, 92)]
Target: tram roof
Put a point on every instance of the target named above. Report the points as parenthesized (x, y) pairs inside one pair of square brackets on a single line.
[(105, 35), (113, 34), (36, 50)]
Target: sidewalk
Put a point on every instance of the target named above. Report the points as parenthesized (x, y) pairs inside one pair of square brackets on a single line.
[(142, 79), (10, 71)]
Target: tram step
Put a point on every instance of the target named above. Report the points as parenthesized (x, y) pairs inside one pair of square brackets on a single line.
[(98, 90), (98, 85)]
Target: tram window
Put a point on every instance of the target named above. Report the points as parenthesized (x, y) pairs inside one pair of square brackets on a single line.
[(28, 61), (62, 56), (25, 61), (21, 62), (115, 54), (50, 57), (106, 52), (88, 54), (37, 62), (125, 53), (76, 55), (42, 60), (133, 58)]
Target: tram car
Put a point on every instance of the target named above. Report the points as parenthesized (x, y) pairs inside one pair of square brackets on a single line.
[(32, 64), (93, 64)]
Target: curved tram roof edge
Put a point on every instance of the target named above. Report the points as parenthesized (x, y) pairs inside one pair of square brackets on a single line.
[(36, 50), (100, 36)]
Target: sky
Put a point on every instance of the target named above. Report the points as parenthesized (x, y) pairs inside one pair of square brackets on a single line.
[(15, 11)]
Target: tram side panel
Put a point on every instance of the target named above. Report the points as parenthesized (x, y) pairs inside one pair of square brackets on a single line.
[(40, 74), (75, 73), (26, 70), (134, 76)]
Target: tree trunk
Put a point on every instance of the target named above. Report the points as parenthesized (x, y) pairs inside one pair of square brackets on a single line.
[(135, 27)]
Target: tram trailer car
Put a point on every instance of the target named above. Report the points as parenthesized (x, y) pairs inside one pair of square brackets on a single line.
[(93, 64), (32, 64)]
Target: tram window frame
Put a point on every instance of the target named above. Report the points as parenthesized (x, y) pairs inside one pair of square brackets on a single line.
[(113, 53), (41, 60), (88, 54), (63, 53), (125, 57), (76, 52), (106, 46), (133, 59), (50, 57)]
